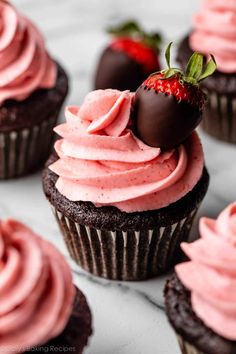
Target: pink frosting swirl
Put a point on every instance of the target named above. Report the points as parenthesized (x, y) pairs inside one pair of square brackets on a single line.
[(36, 289), (215, 32), (102, 161), (211, 273), (24, 63)]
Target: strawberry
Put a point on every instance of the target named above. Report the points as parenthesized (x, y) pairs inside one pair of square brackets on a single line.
[(131, 56), (168, 105), (138, 51)]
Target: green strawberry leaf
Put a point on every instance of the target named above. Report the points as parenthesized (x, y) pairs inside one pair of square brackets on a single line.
[(209, 69), (128, 28), (171, 72), (153, 40), (194, 66), (194, 71), (167, 54)]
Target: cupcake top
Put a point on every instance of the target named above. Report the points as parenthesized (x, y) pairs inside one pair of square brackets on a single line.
[(25, 65), (36, 289), (101, 160), (215, 32), (210, 274)]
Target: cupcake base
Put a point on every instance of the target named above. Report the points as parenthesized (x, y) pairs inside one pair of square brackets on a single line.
[(26, 129), (75, 336), (192, 334), (124, 255), (219, 117), (22, 151), (187, 348), (124, 246)]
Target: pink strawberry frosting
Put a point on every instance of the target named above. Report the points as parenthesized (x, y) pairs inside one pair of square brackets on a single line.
[(24, 62), (36, 289), (211, 273), (215, 32), (102, 161)]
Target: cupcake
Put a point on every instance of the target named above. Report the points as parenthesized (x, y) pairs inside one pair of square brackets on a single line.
[(129, 58), (32, 90), (214, 30), (41, 309), (200, 297), (123, 200)]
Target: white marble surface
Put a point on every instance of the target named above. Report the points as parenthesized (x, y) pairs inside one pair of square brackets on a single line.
[(128, 318)]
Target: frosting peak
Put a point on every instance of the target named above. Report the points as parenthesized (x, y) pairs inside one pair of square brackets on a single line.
[(102, 161), (215, 32), (36, 289), (24, 63), (111, 114), (210, 274)]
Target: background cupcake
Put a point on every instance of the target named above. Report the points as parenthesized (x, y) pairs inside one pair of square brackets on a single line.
[(41, 309), (214, 31), (32, 90), (124, 206), (129, 58), (200, 298)]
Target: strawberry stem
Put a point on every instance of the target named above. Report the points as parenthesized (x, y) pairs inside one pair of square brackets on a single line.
[(195, 72)]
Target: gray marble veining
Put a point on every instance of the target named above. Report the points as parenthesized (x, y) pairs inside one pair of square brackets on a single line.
[(128, 317)]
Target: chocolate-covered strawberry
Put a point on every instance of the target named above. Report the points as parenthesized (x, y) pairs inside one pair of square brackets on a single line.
[(169, 104), (131, 56)]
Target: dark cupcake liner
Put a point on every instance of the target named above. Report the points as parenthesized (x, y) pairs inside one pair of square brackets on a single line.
[(186, 347), (219, 118), (22, 151), (125, 255)]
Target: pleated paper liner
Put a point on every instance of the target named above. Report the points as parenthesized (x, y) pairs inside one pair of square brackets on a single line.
[(186, 347), (125, 255), (22, 151), (219, 118)]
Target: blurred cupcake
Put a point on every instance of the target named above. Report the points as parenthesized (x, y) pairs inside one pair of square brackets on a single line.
[(41, 309), (123, 205), (129, 58), (32, 90), (214, 30), (201, 297)]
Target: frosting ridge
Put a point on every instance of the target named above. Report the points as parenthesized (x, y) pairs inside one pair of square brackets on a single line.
[(24, 62), (102, 161), (210, 274), (36, 289), (215, 32)]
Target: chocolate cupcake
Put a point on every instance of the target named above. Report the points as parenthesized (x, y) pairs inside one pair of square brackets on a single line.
[(200, 297), (33, 88), (214, 30), (124, 206), (41, 309), (131, 56)]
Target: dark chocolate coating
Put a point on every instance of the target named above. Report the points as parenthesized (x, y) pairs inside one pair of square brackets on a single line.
[(219, 82), (161, 121), (188, 325), (76, 333), (117, 70), (39, 106), (111, 218)]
